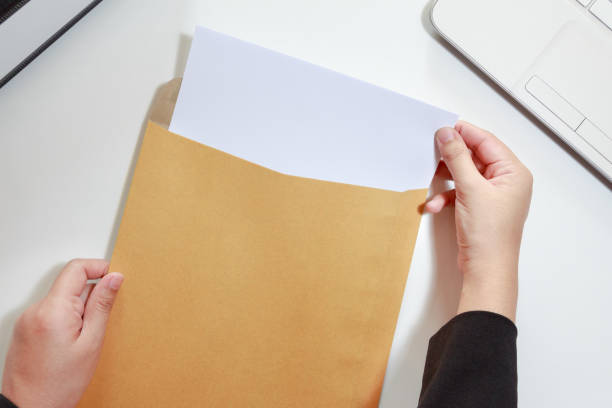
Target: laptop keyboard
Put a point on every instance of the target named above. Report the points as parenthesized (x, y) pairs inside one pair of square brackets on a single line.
[(602, 9)]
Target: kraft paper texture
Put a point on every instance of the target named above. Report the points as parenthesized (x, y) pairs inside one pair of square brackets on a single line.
[(249, 288)]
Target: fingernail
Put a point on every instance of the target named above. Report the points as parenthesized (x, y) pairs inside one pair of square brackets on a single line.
[(433, 205), (115, 281), (445, 135)]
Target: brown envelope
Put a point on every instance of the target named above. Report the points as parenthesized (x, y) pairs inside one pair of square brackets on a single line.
[(248, 288)]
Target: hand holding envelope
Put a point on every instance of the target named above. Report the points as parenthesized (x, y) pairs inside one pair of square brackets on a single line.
[(248, 287)]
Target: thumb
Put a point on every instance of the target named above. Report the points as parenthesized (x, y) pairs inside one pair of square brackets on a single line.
[(456, 156), (99, 305)]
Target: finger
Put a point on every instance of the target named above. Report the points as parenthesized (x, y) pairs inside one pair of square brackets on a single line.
[(457, 157), (73, 278), (86, 292), (439, 201), (487, 148), (443, 173), (98, 307)]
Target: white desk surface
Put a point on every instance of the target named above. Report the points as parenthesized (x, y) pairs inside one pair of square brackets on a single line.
[(70, 127)]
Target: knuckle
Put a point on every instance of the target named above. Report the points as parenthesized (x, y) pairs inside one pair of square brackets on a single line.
[(43, 320), (92, 346), (104, 304), (467, 185), (529, 177), (74, 263), (50, 314), (454, 151), (490, 134), (23, 323), (77, 305)]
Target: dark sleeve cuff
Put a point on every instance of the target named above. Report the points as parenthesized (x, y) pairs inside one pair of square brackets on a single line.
[(471, 362), (6, 403)]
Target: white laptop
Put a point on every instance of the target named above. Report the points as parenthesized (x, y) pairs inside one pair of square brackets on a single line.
[(553, 56), (28, 27)]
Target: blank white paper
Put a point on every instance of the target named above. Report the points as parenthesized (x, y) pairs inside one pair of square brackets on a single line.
[(303, 120)]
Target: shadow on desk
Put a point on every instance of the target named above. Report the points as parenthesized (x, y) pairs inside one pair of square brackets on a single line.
[(160, 111), (403, 384), (37, 293)]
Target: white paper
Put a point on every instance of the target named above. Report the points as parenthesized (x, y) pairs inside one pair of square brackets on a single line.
[(303, 120)]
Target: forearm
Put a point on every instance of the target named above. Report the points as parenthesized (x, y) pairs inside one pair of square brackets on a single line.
[(471, 362)]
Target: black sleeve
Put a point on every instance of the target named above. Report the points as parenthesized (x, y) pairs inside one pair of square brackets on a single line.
[(6, 403), (471, 362)]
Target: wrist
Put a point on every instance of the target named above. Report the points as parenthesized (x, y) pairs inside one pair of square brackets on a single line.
[(493, 290), (6, 402), (9, 396), (490, 267), (9, 393), (22, 399)]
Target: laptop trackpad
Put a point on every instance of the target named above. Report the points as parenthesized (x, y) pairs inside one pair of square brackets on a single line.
[(578, 66)]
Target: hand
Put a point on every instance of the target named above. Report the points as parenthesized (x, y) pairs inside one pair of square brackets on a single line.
[(57, 341), (491, 198)]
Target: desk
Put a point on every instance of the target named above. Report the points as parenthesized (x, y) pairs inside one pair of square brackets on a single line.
[(70, 127)]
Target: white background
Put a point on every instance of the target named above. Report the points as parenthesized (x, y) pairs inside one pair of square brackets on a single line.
[(71, 122)]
